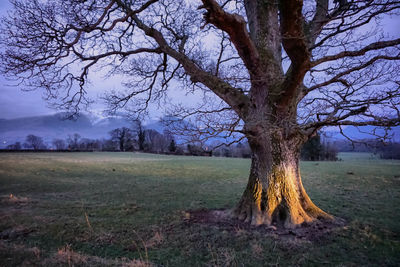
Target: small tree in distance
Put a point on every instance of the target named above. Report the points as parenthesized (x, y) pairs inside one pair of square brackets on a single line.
[(59, 144), (73, 141), (140, 133), (15, 146), (34, 142), (314, 149), (172, 146), (273, 72), (124, 137)]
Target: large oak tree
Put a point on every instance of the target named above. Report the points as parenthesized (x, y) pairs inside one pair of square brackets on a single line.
[(281, 71)]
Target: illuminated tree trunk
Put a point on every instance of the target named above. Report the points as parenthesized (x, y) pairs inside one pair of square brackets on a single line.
[(274, 193)]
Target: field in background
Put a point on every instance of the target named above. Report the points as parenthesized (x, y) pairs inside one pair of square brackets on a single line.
[(130, 209)]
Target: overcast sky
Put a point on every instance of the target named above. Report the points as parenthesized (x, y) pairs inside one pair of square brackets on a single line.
[(16, 103)]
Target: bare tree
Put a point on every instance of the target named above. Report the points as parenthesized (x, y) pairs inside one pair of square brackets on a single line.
[(124, 137), (86, 144), (34, 142), (281, 70), (73, 141), (59, 144), (15, 146), (155, 141), (172, 145), (141, 133)]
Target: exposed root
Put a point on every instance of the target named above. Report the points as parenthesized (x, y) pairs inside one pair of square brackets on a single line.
[(227, 220), (290, 212)]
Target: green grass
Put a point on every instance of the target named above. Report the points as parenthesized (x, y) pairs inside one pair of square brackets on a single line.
[(111, 208)]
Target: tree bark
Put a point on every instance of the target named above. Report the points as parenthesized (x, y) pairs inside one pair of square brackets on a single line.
[(275, 193)]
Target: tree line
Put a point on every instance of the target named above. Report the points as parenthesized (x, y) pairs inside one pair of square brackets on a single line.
[(388, 149), (152, 141), (120, 139)]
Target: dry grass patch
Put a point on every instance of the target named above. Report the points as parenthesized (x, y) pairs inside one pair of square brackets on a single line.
[(67, 256)]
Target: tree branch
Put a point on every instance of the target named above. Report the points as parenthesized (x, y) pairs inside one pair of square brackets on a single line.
[(322, 17), (232, 96), (295, 45), (236, 27), (357, 53), (337, 77)]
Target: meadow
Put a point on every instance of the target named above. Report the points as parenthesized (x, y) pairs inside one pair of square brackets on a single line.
[(131, 209)]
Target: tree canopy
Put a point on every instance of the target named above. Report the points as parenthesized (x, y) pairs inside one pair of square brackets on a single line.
[(331, 61)]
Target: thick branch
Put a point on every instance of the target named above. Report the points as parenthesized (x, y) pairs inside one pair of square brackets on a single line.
[(263, 23), (323, 16), (320, 19), (293, 38), (236, 27), (295, 45), (232, 96)]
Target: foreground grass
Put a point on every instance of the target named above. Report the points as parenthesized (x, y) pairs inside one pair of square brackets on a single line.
[(129, 209)]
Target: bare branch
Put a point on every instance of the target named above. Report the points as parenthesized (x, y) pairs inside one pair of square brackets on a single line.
[(357, 53), (233, 96), (295, 45), (235, 26)]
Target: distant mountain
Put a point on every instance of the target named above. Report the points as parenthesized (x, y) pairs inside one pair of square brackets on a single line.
[(54, 126)]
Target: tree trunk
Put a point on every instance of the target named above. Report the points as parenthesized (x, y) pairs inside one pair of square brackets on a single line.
[(275, 193)]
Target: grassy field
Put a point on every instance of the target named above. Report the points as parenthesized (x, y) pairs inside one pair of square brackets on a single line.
[(126, 209)]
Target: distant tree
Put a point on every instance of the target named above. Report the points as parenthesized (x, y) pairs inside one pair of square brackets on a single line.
[(123, 137), (34, 142), (195, 150), (217, 152), (109, 145), (97, 145), (227, 152), (59, 144), (389, 151), (73, 141), (329, 152), (155, 141), (179, 150), (15, 146), (312, 149), (169, 139), (140, 133), (243, 150), (86, 144), (141, 139), (172, 146)]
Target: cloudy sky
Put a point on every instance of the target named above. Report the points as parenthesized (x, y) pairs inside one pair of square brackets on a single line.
[(16, 103)]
